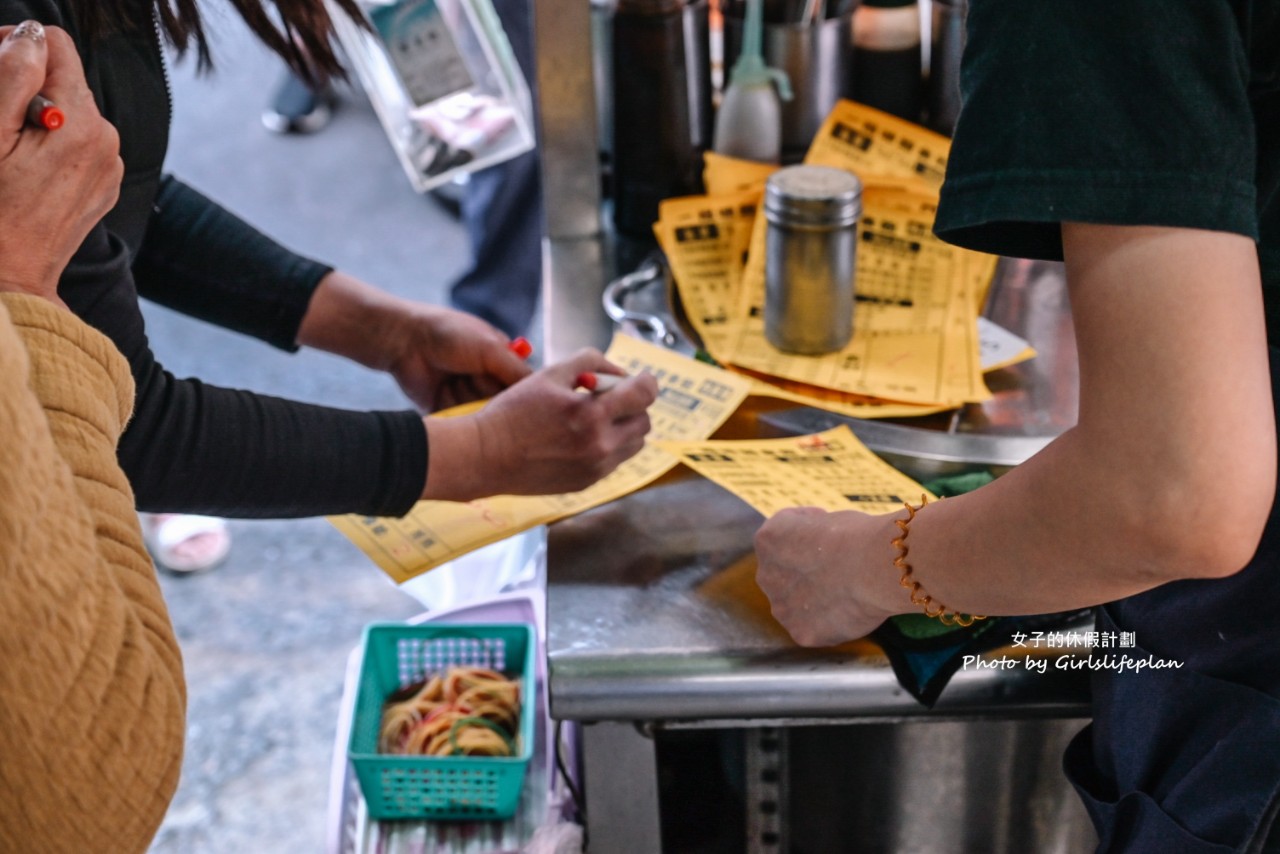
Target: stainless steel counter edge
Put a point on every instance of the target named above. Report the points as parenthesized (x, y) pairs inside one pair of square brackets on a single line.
[(835, 687)]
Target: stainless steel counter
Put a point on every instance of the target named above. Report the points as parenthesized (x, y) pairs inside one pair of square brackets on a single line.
[(654, 615), (654, 622), (653, 611)]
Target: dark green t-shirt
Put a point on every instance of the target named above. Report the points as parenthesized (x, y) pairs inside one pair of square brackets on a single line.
[(1137, 112)]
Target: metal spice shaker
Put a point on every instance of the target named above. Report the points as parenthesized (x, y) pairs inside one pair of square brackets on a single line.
[(810, 249)]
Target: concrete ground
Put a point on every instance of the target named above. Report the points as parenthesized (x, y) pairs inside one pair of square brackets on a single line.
[(266, 636)]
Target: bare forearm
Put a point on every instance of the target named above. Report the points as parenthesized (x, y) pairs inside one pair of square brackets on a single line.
[(1052, 535), (438, 356), (350, 318), (1171, 471)]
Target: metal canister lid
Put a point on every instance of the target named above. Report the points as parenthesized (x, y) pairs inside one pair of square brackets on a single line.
[(813, 195)]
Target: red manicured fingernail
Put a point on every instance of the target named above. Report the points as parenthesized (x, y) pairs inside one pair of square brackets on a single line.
[(521, 347)]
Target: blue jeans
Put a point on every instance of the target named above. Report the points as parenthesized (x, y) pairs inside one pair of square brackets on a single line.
[(502, 212)]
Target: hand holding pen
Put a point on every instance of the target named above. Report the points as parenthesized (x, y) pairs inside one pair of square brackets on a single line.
[(54, 187), (543, 435), (597, 383)]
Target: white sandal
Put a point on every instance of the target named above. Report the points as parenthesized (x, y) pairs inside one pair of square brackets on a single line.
[(166, 533)]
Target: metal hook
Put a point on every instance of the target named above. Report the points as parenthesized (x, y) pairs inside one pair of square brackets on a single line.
[(619, 289)]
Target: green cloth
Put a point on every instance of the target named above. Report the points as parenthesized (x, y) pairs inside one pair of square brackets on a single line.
[(1109, 150), (958, 484)]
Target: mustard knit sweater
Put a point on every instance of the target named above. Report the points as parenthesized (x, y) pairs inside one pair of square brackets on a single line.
[(92, 700)]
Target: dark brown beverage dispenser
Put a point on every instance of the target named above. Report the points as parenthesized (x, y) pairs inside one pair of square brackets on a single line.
[(662, 116)]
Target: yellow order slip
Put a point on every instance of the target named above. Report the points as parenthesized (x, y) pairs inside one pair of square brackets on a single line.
[(921, 204), (855, 405), (831, 470), (705, 239), (886, 151), (694, 400), (876, 145)]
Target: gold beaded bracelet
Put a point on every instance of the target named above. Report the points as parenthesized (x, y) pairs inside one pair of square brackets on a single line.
[(932, 608)]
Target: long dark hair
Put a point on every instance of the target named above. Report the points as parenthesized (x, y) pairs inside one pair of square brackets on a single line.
[(303, 37)]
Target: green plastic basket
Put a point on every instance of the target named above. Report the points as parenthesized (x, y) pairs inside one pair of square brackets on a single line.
[(439, 787)]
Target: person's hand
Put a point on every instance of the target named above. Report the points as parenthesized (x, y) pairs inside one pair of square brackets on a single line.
[(828, 576), (443, 357), (54, 185), (540, 436), (440, 357)]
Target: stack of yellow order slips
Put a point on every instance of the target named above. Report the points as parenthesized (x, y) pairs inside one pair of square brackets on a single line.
[(915, 347)]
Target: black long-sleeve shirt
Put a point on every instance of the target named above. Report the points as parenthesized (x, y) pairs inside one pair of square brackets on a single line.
[(193, 447)]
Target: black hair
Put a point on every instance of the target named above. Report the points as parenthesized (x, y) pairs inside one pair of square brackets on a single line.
[(302, 36)]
